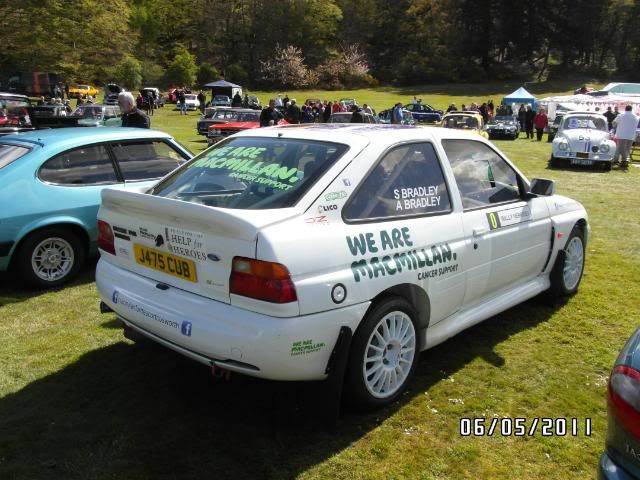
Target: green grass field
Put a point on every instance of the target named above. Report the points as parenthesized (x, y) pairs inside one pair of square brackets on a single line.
[(77, 401)]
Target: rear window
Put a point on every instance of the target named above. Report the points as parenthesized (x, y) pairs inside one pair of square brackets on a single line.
[(10, 153), (251, 173), (14, 112)]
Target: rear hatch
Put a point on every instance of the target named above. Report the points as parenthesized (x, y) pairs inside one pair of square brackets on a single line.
[(185, 245)]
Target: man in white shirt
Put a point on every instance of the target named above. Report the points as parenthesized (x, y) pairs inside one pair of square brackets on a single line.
[(625, 126)]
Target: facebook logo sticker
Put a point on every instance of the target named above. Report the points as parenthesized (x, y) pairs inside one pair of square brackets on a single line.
[(115, 296), (186, 328)]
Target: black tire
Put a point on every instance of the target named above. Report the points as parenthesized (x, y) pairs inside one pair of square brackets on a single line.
[(24, 268), (559, 286), (607, 166), (356, 390), (554, 162)]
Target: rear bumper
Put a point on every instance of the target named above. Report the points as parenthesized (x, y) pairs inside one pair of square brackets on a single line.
[(609, 470), (216, 333)]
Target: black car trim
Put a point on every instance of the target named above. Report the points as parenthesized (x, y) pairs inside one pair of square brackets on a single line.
[(5, 248)]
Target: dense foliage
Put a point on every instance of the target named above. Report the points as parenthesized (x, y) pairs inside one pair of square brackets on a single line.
[(328, 43)]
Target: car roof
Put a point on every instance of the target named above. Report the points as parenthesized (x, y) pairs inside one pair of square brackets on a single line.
[(464, 112), (595, 114), (356, 133), (76, 136), (9, 94)]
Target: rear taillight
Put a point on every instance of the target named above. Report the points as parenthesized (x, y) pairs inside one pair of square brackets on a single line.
[(105, 237), (266, 281), (624, 398)]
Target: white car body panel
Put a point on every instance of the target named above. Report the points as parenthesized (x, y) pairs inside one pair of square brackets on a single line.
[(461, 269)]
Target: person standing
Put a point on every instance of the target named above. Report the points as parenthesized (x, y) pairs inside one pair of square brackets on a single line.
[(237, 100), (202, 98), (396, 114), (540, 122), (357, 116), (293, 112), (367, 109), (131, 115), (529, 117), (626, 125), (270, 116), (522, 114), (328, 110), (182, 101), (610, 116)]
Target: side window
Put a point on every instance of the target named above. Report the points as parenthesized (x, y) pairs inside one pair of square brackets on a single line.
[(407, 181), (483, 177), (82, 166), (145, 159)]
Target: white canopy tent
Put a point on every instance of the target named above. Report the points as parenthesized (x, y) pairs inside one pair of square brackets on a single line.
[(589, 103)]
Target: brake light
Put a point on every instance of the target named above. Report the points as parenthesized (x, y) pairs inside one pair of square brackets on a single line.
[(106, 241), (261, 280), (624, 398)]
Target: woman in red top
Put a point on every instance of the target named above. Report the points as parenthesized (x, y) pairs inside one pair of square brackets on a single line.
[(540, 122)]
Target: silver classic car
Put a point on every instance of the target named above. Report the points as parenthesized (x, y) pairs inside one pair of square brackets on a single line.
[(583, 139)]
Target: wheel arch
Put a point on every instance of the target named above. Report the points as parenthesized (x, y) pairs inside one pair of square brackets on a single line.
[(413, 294), (76, 228)]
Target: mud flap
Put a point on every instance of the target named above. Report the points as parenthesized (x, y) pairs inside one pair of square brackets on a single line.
[(336, 367)]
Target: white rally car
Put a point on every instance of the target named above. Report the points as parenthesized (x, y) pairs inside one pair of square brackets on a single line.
[(285, 252), (583, 139)]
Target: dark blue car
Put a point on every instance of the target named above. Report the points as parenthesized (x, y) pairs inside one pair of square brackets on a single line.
[(423, 113), (621, 459)]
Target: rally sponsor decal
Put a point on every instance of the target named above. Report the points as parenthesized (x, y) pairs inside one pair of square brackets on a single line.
[(305, 347), (431, 261), (246, 164), (319, 220), (416, 197), (120, 299), (330, 197), (327, 208), (508, 217), (185, 243), (121, 233)]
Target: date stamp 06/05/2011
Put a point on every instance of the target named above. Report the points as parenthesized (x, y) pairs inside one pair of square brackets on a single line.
[(523, 427)]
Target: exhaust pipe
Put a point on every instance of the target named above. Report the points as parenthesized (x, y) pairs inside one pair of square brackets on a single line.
[(104, 308)]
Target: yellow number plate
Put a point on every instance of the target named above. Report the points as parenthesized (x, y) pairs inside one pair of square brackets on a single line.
[(165, 262)]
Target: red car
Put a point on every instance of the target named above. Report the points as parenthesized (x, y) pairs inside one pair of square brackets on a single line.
[(245, 121)]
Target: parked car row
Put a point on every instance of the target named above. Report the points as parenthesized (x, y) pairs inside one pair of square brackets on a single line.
[(203, 255)]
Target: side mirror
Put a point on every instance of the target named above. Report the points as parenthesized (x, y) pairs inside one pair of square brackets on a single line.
[(543, 187)]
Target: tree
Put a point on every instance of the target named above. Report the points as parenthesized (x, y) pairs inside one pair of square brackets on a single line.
[(287, 69), (128, 72), (236, 74), (182, 70), (207, 73)]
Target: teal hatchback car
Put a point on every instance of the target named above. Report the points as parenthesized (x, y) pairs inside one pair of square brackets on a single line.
[(50, 184)]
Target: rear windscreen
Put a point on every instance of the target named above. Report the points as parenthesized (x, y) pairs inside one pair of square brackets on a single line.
[(251, 173)]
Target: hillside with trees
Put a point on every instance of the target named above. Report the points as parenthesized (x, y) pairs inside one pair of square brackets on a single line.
[(328, 43)]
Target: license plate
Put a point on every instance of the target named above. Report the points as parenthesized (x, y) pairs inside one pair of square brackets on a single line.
[(582, 155), (577, 161), (165, 262)]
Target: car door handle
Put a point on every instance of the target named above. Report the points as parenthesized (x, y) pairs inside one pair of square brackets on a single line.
[(478, 232)]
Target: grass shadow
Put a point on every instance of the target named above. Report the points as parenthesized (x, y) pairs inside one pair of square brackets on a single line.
[(11, 291), (126, 411)]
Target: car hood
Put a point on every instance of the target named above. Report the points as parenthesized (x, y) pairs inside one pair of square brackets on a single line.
[(586, 134)]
